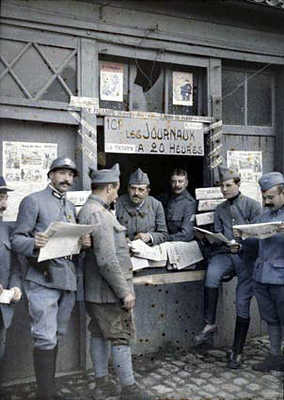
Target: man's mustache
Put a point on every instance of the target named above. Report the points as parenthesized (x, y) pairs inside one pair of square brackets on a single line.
[(65, 183), (2, 209)]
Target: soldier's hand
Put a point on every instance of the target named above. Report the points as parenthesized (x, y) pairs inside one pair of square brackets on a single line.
[(17, 294), (199, 235), (1, 289), (235, 247), (146, 237), (237, 233), (85, 241), (40, 240), (280, 228), (129, 301)]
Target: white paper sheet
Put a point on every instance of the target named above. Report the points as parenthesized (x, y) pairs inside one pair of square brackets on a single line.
[(260, 231), (6, 296), (213, 237), (63, 239), (141, 249), (182, 254)]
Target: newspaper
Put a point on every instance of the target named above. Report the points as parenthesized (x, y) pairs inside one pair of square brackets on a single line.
[(141, 249), (261, 231), (63, 239), (182, 254), (214, 237), (6, 296)]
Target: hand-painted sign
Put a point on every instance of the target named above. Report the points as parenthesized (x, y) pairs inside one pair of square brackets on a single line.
[(145, 136)]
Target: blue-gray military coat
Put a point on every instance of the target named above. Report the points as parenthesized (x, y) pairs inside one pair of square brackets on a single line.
[(180, 216), (269, 264), (149, 218), (36, 212), (107, 265), (9, 271), (242, 210)]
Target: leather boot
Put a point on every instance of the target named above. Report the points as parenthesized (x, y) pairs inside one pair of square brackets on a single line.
[(44, 367), (241, 330), (271, 363), (210, 308), (104, 388), (133, 392)]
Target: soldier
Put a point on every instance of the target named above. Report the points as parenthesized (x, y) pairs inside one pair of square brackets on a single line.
[(9, 275), (109, 291), (179, 208), (268, 274), (50, 285), (141, 214), (237, 209)]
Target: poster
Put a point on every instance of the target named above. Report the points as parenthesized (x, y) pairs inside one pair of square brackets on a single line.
[(25, 167), (249, 164), (111, 81), (182, 88)]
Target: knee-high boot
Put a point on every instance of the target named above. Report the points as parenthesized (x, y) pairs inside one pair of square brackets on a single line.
[(44, 367), (241, 330)]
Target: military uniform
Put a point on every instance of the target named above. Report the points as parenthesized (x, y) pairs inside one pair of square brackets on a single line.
[(180, 215), (148, 217), (109, 292), (9, 278), (236, 210), (268, 277), (50, 286)]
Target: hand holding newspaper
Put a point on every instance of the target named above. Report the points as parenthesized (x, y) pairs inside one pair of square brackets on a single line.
[(63, 239), (214, 237), (7, 296), (261, 231)]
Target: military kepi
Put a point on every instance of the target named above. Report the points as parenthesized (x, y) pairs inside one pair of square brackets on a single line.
[(105, 175), (270, 179), (3, 186), (138, 177), (227, 173)]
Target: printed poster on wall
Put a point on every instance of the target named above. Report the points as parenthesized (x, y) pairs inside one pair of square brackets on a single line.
[(182, 88), (249, 164), (25, 167), (111, 81)]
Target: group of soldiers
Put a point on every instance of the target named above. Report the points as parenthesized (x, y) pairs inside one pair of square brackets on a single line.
[(50, 286)]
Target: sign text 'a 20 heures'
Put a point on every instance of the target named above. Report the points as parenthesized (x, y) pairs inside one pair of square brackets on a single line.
[(152, 136)]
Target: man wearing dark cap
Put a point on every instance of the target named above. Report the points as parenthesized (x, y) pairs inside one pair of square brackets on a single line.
[(141, 214), (9, 276), (268, 274), (237, 209), (109, 292), (50, 285), (179, 208)]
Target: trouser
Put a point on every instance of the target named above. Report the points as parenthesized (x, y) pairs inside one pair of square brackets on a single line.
[(222, 264), (50, 311), (270, 300)]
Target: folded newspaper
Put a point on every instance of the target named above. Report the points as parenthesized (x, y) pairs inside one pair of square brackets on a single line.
[(214, 237), (63, 239), (174, 255), (261, 231), (6, 296)]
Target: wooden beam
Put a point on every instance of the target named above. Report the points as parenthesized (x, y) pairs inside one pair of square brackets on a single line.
[(167, 278)]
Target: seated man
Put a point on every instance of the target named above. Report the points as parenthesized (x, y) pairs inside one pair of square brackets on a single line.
[(141, 214), (179, 208), (9, 275), (236, 210)]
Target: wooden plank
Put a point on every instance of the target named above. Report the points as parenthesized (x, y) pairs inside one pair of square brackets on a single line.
[(22, 34), (205, 33), (172, 277), (248, 130), (55, 105), (36, 114)]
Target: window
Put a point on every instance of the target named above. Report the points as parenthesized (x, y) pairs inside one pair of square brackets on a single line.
[(247, 97)]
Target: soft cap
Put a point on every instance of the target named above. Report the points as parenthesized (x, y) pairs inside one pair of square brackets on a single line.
[(139, 177), (3, 186), (105, 175), (227, 173), (270, 179)]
